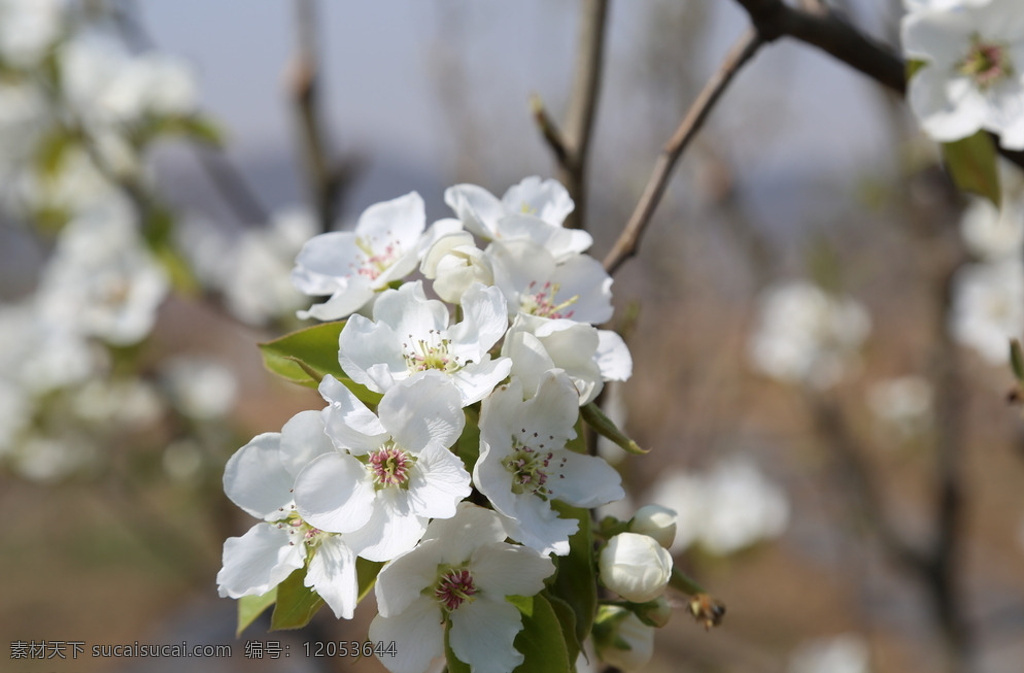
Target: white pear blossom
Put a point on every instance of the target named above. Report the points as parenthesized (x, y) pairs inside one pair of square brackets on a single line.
[(973, 73), (622, 640), (534, 283), (390, 474), (587, 355), (807, 336), (904, 403), (988, 307), (457, 580), (524, 463), (533, 209), (202, 388), (657, 522), (635, 566), (351, 267), (729, 507), (847, 653), (28, 28), (101, 280), (257, 279), (259, 479), (410, 335), (991, 233), (455, 264)]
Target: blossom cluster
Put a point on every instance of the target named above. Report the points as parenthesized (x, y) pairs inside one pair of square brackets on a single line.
[(971, 74), (447, 457)]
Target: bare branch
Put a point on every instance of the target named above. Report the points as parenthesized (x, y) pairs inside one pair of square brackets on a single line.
[(571, 147), (323, 176), (821, 27), (628, 242)]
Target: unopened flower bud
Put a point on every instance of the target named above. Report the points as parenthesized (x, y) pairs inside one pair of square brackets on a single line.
[(654, 613), (635, 566), (455, 263), (657, 522), (621, 639)]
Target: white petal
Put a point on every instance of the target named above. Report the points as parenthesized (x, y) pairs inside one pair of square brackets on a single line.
[(393, 528), (482, 634), (478, 209), (418, 634), (357, 294), (258, 561), (332, 573), (256, 480), (613, 357), (364, 346), (485, 320), (303, 439), (508, 570), (548, 200), (471, 527), (402, 580), (335, 493), (476, 380), (438, 483), (424, 411), (349, 423), (325, 263), (589, 481), (400, 221)]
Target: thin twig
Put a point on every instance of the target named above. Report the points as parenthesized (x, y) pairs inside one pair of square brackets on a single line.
[(571, 146), (321, 172), (628, 242)]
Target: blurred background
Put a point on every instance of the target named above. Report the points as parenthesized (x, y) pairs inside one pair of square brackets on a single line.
[(819, 321)]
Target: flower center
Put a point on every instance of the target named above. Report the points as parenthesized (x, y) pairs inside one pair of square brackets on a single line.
[(987, 63), (542, 302), (531, 468), (375, 263), (454, 588), (430, 353), (526, 209), (300, 531), (390, 466)]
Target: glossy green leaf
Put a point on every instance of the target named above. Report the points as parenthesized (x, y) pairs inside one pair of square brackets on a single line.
[(296, 603), (468, 445), (251, 607), (576, 579), (596, 419), (367, 572), (306, 356), (567, 620), (541, 641), (972, 163)]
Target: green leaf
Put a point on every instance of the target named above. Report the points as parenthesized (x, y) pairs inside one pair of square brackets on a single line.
[(468, 445), (971, 163), (913, 65), (296, 603), (576, 580), (306, 356), (1017, 359), (455, 665), (541, 642), (251, 607), (367, 572), (596, 419), (567, 620), (197, 128)]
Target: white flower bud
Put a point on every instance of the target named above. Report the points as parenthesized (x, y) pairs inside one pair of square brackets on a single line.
[(657, 522), (635, 566), (455, 263), (622, 640)]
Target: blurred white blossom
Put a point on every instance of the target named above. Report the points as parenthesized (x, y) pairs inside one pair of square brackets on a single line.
[(728, 508), (805, 335), (994, 233), (199, 387), (847, 653), (988, 307), (904, 402)]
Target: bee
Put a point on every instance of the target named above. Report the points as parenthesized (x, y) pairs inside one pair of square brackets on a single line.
[(706, 610)]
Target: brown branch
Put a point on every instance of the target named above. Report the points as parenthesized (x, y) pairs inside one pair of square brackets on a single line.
[(822, 28), (628, 242), (322, 173), (571, 146)]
